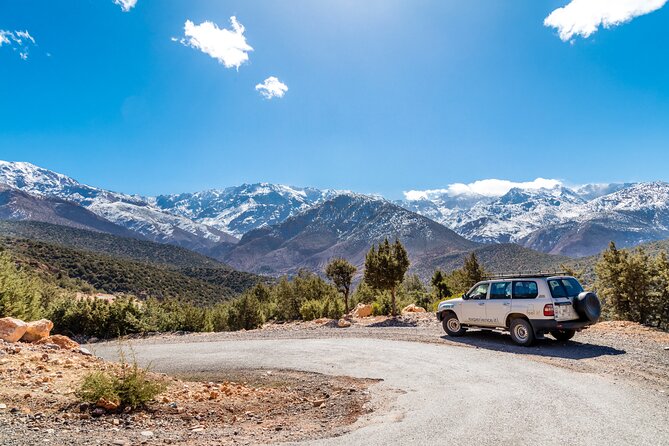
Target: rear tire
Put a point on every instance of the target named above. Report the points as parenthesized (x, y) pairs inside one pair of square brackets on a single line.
[(452, 326), (588, 306), (522, 332), (563, 335)]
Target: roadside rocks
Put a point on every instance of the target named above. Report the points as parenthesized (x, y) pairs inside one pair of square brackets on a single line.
[(343, 323), (11, 330), (362, 310), (37, 330), (61, 341), (413, 309)]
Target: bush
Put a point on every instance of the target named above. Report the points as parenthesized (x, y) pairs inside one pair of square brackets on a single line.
[(131, 387), (311, 309), (245, 313)]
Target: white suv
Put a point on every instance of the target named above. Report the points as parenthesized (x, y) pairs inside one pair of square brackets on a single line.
[(527, 306)]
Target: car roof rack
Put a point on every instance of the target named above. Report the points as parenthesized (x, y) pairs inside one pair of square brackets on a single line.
[(524, 275)]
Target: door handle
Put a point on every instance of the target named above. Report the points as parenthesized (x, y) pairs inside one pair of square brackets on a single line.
[(506, 304), (481, 303)]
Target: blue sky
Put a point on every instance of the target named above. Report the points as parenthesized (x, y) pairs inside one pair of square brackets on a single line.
[(383, 96)]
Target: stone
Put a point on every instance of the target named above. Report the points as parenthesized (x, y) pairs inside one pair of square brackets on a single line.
[(146, 434), (318, 403), (109, 405), (61, 341), (11, 330), (343, 323), (37, 330), (51, 346), (3, 406), (362, 310), (413, 309), (85, 351), (97, 412)]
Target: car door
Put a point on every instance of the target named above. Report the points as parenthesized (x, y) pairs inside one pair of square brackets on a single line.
[(499, 303), (473, 306)]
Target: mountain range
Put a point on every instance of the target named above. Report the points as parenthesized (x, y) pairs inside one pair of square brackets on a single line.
[(277, 229)]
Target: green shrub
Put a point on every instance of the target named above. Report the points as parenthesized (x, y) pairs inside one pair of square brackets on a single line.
[(311, 309), (130, 387), (245, 313)]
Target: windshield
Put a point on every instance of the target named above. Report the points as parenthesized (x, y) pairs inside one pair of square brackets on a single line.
[(567, 287)]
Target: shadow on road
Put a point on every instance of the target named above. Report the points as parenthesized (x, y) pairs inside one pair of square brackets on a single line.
[(394, 323), (544, 347)]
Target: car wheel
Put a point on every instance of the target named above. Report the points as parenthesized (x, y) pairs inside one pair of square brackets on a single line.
[(452, 326), (522, 332), (563, 335), (587, 305)]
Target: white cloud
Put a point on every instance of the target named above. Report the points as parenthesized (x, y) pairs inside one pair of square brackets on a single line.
[(486, 188), (126, 5), (272, 88), (229, 47), (19, 41), (584, 17)]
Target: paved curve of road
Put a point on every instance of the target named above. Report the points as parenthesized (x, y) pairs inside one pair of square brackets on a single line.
[(451, 394)]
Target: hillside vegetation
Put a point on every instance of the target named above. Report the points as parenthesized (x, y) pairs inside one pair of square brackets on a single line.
[(88, 271)]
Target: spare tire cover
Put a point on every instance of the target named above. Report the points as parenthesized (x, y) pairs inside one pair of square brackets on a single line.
[(588, 306)]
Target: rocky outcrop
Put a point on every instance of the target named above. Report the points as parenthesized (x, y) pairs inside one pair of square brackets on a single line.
[(413, 309), (343, 323), (11, 330), (37, 330), (362, 310), (61, 341)]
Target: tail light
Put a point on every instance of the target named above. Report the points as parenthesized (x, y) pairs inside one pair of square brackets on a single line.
[(549, 310)]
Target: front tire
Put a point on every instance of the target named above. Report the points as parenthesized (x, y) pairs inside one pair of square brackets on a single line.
[(452, 326), (563, 335), (522, 332)]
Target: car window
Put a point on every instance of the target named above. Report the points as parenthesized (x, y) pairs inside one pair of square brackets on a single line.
[(565, 287), (525, 290), (557, 290), (479, 292), (500, 290), (572, 286)]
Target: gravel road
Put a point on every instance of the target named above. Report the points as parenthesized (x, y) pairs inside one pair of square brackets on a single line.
[(441, 393)]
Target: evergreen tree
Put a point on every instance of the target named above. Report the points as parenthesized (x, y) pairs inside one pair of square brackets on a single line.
[(341, 273), (473, 271), (440, 285), (385, 268)]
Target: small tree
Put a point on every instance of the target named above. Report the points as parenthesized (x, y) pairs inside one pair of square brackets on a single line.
[(385, 268), (440, 286), (473, 272), (341, 273)]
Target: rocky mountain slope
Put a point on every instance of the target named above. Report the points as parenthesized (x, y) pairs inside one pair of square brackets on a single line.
[(131, 212), (238, 210), (17, 205), (344, 226), (560, 220)]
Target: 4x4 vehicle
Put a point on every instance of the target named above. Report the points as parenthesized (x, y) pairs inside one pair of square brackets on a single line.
[(528, 306)]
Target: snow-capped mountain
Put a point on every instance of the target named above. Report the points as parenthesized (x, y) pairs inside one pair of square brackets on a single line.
[(238, 210), (345, 226), (558, 220), (129, 211), (504, 219)]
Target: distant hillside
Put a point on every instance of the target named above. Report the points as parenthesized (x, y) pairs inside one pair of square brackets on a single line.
[(345, 226), (494, 258), (128, 248), (16, 205), (120, 276)]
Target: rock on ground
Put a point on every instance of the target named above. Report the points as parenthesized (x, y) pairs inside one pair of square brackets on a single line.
[(37, 330), (11, 330)]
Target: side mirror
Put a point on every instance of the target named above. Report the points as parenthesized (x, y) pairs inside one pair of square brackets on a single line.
[(464, 297)]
